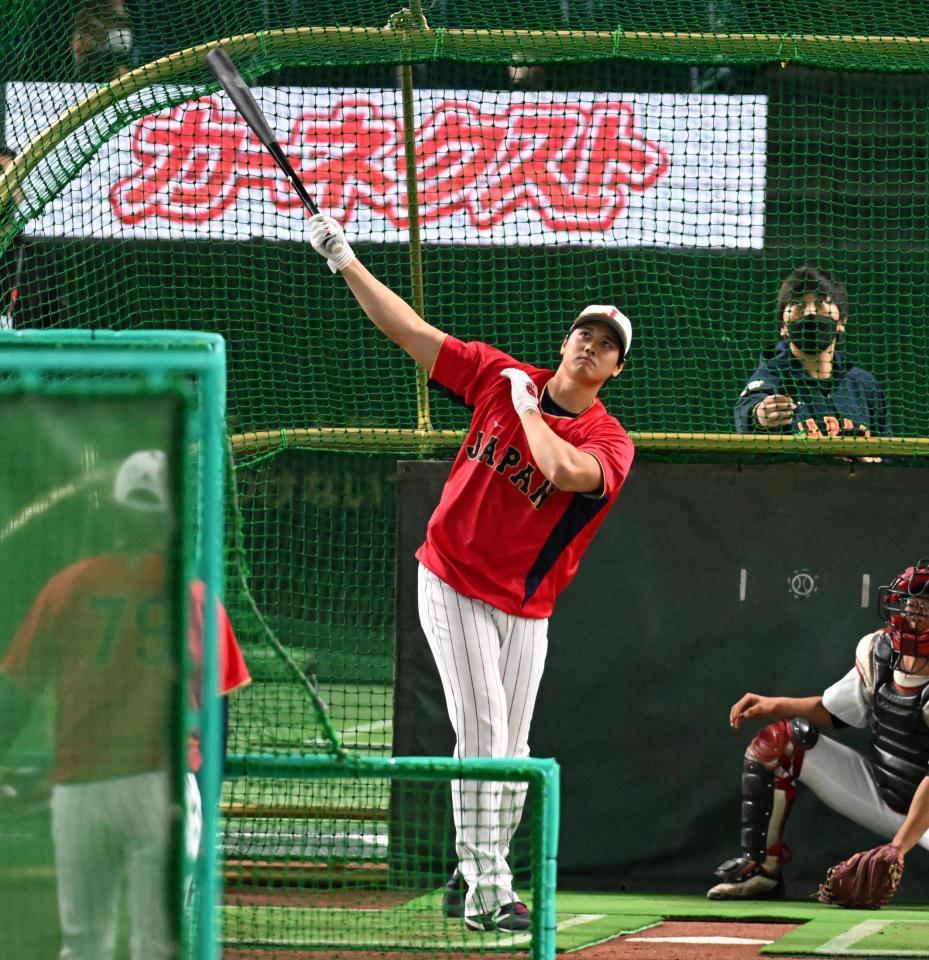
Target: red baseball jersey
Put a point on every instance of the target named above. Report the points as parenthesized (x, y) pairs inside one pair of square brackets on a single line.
[(97, 631), (502, 533)]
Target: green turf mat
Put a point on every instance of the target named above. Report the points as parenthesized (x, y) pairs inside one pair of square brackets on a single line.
[(859, 933), (324, 793), (275, 716), (900, 931), (671, 906)]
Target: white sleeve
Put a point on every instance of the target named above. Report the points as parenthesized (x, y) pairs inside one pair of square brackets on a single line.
[(848, 700)]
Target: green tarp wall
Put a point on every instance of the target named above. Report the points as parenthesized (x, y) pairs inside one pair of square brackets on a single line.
[(652, 643)]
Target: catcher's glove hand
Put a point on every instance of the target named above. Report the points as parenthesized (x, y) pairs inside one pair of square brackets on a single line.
[(865, 880)]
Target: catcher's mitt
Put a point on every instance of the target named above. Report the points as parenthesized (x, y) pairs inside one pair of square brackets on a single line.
[(865, 880)]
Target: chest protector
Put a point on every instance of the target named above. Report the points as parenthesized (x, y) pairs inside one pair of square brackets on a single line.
[(900, 729)]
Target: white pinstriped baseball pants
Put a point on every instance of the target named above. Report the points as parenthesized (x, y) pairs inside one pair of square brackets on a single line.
[(490, 664)]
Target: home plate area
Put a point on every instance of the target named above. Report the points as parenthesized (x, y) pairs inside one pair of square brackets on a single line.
[(590, 926), (694, 928), (691, 940)]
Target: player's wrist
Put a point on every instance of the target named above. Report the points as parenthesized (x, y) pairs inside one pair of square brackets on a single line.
[(523, 391), (342, 258)]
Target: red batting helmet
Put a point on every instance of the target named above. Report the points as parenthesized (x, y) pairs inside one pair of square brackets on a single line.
[(896, 607)]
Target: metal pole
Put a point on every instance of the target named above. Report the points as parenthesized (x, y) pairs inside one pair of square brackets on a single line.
[(423, 421)]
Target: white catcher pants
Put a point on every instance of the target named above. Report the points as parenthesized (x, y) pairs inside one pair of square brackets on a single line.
[(841, 777), (108, 832), (490, 664)]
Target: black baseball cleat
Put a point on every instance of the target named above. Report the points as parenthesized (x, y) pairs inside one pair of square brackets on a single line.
[(453, 896), (509, 918), (744, 879)]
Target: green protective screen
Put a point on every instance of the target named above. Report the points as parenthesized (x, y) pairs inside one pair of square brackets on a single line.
[(93, 672)]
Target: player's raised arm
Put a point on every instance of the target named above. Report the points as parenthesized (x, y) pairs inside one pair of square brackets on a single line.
[(560, 462), (389, 313)]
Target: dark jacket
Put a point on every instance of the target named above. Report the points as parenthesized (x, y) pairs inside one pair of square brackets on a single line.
[(851, 402)]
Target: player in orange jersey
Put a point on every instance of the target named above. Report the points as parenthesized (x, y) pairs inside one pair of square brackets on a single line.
[(99, 634)]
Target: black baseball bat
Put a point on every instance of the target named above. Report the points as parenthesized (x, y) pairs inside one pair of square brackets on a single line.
[(231, 81)]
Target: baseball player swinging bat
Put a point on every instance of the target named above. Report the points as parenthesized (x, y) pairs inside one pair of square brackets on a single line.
[(231, 81)]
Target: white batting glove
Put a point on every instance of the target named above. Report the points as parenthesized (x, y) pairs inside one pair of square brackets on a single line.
[(524, 392), (328, 239)]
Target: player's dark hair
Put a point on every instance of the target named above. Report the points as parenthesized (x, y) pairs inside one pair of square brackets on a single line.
[(803, 280)]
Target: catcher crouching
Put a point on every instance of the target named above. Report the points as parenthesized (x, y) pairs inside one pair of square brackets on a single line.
[(888, 793)]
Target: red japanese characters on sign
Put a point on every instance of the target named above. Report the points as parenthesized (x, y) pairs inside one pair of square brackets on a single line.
[(573, 164)]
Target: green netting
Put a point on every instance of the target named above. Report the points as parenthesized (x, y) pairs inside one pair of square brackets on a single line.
[(867, 35), (713, 185), (351, 854), (678, 159)]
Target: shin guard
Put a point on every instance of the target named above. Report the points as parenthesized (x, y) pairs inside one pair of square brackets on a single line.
[(769, 772)]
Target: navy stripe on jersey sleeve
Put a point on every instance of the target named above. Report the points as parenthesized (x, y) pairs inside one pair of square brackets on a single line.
[(454, 397)]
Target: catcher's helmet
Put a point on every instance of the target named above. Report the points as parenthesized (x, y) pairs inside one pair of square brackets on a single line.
[(897, 605), (140, 482)]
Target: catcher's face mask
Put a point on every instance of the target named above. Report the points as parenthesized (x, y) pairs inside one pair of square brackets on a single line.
[(904, 606)]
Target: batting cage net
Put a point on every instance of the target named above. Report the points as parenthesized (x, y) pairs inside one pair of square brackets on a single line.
[(354, 854), (730, 174)]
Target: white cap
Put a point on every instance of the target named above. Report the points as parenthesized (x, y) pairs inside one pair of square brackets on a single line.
[(140, 482), (611, 316)]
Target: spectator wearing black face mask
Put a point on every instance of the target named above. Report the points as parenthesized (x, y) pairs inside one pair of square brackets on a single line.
[(805, 385)]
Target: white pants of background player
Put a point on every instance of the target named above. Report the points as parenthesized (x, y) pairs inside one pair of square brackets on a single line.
[(111, 832), (841, 777), (490, 664)]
